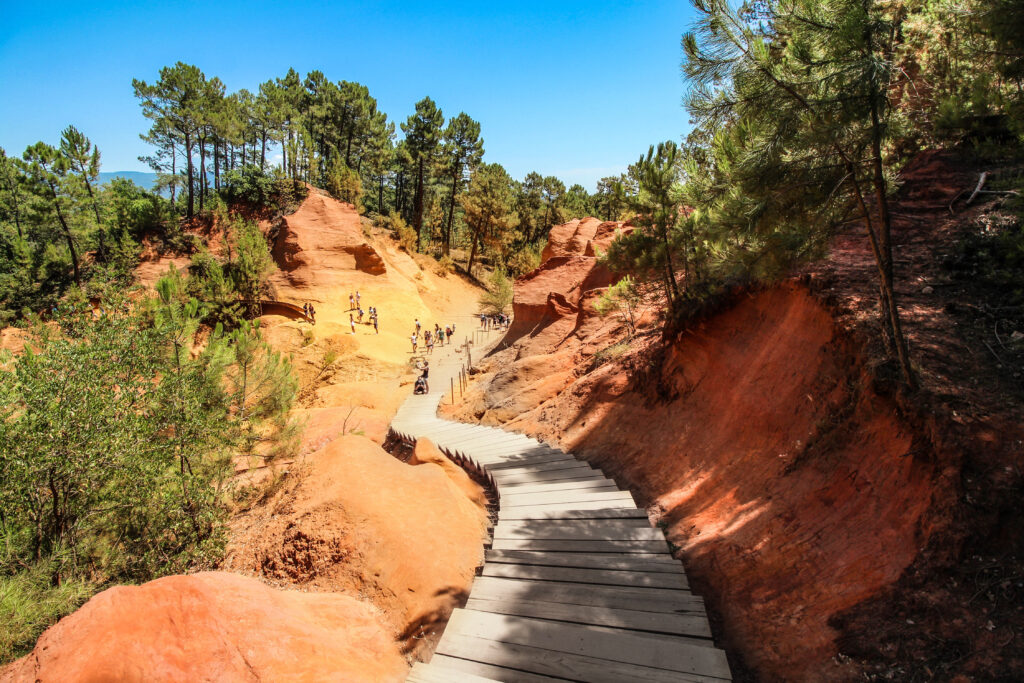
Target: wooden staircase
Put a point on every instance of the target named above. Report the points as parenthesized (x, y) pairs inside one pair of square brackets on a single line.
[(576, 583)]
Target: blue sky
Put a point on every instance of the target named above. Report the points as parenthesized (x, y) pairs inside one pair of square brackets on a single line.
[(573, 89)]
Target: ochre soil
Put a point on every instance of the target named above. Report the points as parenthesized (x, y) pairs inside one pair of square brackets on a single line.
[(388, 548), (213, 626), (840, 527)]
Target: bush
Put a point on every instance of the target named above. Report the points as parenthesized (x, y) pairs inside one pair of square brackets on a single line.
[(498, 296), (445, 266), (269, 189), (30, 603)]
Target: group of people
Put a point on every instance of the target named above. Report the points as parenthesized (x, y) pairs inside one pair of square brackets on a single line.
[(495, 321), (355, 304), (430, 337), (310, 312)]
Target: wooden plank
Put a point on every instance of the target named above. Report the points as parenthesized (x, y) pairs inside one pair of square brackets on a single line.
[(692, 625), (580, 528), (566, 464), (523, 460), (615, 597), (562, 508), (532, 477), (580, 546), (623, 561), (565, 666), (598, 512), (428, 673), (607, 577), (682, 655), (458, 666), (601, 484), (512, 500)]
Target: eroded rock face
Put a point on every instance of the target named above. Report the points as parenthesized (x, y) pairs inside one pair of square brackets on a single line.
[(213, 626), (547, 301), (320, 244)]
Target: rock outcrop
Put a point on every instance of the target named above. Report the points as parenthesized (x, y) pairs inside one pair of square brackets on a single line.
[(320, 245), (547, 301), (213, 626)]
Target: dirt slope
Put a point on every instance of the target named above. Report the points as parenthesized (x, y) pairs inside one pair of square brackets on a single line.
[(821, 513)]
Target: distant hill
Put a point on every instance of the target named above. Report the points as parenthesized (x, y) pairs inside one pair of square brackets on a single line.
[(141, 178)]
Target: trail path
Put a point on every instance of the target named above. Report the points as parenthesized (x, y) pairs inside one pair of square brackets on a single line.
[(576, 584)]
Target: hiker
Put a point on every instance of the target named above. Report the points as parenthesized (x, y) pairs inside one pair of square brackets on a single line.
[(417, 325), (429, 338), (424, 375), (351, 302), (414, 339), (375, 330), (360, 315), (312, 314), (448, 333), (357, 297)]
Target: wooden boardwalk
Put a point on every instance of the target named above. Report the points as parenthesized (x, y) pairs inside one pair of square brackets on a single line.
[(576, 585)]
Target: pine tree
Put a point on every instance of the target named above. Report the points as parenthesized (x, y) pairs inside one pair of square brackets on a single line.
[(489, 207), (422, 139), (461, 152)]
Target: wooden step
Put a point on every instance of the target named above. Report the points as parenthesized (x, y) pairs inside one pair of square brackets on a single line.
[(627, 647), (579, 529), (692, 625), (457, 667), (621, 561), (608, 577), (596, 511), (613, 597), (515, 499)]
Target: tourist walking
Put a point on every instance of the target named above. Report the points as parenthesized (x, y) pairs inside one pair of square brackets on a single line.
[(414, 339)]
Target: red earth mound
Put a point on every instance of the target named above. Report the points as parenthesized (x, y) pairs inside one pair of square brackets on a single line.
[(213, 626), (320, 245), (351, 518)]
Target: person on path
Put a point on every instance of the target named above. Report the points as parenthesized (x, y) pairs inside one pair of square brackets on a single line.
[(448, 333), (375, 330), (352, 323), (351, 302), (357, 297), (414, 339), (312, 314), (429, 338), (425, 374), (360, 315), (417, 325)]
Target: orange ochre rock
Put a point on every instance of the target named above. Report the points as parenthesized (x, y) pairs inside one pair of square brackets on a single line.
[(213, 626), (321, 244), (357, 520)]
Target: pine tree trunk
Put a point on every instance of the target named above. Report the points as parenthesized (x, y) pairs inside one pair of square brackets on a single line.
[(451, 214), (67, 234), (191, 175), (202, 172), (417, 219), (263, 152), (472, 255), (174, 172)]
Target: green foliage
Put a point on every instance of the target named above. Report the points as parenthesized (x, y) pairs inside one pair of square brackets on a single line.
[(30, 603), (343, 183), (261, 189), (498, 296), (624, 298), (488, 204)]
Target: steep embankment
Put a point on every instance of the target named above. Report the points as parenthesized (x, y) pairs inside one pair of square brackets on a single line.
[(389, 549), (798, 489)]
